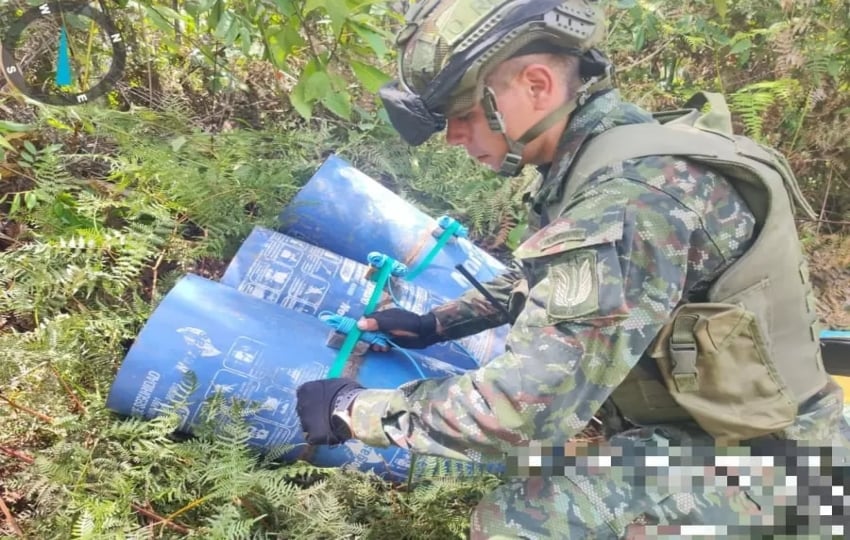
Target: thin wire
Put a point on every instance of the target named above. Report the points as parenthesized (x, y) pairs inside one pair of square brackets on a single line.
[(345, 325)]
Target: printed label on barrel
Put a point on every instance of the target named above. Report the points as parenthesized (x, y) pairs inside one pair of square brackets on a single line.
[(306, 278)]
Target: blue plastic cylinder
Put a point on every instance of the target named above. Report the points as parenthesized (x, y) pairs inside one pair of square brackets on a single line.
[(343, 210), (300, 276), (835, 334), (835, 349), (253, 350)]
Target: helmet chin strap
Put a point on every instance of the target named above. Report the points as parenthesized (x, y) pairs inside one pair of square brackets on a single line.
[(512, 164)]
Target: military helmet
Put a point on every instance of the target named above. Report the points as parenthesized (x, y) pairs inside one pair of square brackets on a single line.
[(437, 30), (449, 46)]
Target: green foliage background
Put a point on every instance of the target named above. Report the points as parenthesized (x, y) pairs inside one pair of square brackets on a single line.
[(225, 110)]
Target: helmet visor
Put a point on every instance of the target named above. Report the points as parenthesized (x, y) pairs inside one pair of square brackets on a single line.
[(409, 114)]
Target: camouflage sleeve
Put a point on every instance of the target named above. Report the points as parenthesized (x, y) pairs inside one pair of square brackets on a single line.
[(473, 313), (605, 278)]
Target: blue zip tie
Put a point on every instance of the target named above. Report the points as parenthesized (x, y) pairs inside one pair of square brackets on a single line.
[(345, 325), (390, 267), (354, 335), (378, 260), (447, 221)]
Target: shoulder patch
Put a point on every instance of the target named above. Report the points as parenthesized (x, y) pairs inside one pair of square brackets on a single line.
[(574, 287), (567, 234)]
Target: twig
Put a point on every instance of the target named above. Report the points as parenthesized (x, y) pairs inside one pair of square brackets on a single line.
[(16, 454), (20, 173), (37, 414), (809, 220), (252, 510), (159, 259), (648, 57), (825, 200), (10, 520), (160, 520), (196, 502), (78, 405), (303, 22)]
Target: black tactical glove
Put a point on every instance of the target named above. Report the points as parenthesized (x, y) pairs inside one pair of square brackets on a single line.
[(407, 329), (323, 406)]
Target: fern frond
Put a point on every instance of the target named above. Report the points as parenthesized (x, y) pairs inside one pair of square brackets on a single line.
[(753, 101)]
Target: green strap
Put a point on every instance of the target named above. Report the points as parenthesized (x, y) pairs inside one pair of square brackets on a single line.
[(550, 120), (448, 232), (353, 336), (683, 352), (380, 282), (564, 111), (718, 119)]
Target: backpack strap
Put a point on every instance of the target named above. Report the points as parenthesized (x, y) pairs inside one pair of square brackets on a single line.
[(634, 141), (624, 143), (700, 137)]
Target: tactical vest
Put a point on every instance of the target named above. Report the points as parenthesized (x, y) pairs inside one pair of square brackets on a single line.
[(740, 362)]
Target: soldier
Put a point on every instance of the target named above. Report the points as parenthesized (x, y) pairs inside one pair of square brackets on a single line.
[(613, 288)]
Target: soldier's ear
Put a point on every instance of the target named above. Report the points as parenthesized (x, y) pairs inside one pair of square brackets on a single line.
[(539, 81)]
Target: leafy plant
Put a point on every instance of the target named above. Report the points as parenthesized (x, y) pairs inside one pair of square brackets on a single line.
[(102, 208), (324, 47)]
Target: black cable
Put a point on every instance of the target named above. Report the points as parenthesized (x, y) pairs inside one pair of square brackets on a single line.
[(490, 298)]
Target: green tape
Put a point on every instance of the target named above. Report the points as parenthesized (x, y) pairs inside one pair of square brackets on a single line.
[(442, 241), (384, 276), (352, 337)]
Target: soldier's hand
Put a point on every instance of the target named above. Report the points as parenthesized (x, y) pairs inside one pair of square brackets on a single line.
[(405, 328), (323, 408)]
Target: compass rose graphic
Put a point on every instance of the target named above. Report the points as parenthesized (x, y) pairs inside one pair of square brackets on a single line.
[(63, 53)]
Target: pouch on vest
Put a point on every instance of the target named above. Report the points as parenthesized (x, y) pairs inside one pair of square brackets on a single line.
[(751, 359), (715, 363)]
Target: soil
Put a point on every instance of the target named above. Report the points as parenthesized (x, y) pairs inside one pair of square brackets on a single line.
[(829, 260)]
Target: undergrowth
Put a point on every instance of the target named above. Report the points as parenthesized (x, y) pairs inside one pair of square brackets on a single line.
[(104, 235), (222, 116), (98, 476)]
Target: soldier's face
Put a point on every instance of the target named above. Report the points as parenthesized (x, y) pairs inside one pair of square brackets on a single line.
[(471, 130)]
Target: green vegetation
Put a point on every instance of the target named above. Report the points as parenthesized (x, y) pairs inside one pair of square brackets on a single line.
[(225, 110)]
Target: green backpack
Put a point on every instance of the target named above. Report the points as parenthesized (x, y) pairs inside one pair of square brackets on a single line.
[(741, 363)]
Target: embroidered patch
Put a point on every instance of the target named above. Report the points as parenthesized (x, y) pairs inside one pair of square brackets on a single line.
[(571, 236), (574, 287)]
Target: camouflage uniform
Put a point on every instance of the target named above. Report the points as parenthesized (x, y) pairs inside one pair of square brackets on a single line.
[(589, 293)]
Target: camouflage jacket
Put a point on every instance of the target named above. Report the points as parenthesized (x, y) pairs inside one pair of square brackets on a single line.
[(589, 293)]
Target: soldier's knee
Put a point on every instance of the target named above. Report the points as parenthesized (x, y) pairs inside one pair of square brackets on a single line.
[(499, 516), (531, 509)]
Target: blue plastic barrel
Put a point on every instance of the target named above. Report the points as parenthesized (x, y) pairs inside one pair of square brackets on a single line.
[(835, 346), (300, 276), (252, 350), (343, 210), (836, 334)]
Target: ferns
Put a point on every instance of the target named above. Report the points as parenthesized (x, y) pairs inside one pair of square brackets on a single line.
[(84, 525), (441, 180), (425, 468), (753, 102), (42, 277), (81, 281)]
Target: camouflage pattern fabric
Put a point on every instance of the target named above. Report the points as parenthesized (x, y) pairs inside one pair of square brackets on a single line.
[(591, 291), (610, 505), (583, 508), (604, 506)]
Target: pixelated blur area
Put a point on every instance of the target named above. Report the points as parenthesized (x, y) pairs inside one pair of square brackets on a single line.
[(793, 490)]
